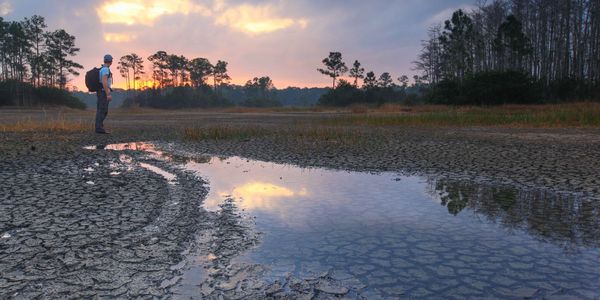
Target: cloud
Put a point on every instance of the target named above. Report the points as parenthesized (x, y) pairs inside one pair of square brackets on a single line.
[(132, 12), (256, 19), (245, 17), (119, 37), (5, 8), (446, 14)]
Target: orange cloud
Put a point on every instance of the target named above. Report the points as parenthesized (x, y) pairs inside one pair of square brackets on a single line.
[(146, 12), (256, 19), (118, 37)]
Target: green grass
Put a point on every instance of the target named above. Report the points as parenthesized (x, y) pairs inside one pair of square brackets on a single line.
[(356, 128), (545, 116)]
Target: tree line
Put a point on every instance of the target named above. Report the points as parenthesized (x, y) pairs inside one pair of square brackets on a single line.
[(179, 82), (553, 45), (172, 70), (35, 61), (373, 90)]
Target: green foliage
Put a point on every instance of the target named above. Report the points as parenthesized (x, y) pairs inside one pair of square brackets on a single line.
[(260, 102), (220, 75), (334, 66), (200, 69), (511, 44), (556, 46), (585, 114), (572, 89), (357, 72), (12, 92), (54, 96), (34, 63), (178, 97), (385, 80), (60, 46), (343, 95), (136, 64), (456, 41), (487, 88), (259, 93), (347, 94), (370, 81)]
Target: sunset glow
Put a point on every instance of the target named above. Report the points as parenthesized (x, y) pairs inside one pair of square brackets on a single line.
[(265, 196), (132, 12), (285, 40), (256, 19), (118, 37)]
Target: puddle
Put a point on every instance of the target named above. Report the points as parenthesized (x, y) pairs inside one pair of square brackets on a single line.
[(170, 177), (137, 146), (412, 236), (389, 236)]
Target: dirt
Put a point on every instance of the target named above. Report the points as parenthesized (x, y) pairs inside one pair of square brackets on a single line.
[(70, 228)]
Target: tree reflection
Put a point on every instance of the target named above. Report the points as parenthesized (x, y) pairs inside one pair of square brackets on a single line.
[(567, 219)]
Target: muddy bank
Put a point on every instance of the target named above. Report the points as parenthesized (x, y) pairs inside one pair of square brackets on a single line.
[(92, 225), (559, 160), (73, 227)]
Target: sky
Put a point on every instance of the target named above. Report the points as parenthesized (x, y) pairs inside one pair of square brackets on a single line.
[(283, 39)]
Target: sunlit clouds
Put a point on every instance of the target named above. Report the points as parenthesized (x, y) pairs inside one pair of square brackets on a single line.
[(259, 196), (247, 18), (256, 19), (118, 37), (283, 39), (5, 8), (146, 12)]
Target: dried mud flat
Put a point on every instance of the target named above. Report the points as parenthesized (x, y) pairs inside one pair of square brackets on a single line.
[(77, 223)]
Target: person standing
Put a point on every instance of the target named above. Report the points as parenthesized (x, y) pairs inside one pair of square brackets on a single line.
[(104, 94)]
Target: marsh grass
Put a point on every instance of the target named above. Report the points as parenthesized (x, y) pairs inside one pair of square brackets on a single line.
[(546, 116), (59, 124), (224, 132), (299, 133), (243, 110)]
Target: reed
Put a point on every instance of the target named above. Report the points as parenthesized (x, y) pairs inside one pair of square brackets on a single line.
[(545, 116)]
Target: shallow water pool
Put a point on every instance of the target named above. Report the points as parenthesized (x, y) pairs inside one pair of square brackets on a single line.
[(385, 235), (389, 236)]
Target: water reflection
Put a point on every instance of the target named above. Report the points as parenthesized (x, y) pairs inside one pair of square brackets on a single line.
[(391, 240), (566, 219)]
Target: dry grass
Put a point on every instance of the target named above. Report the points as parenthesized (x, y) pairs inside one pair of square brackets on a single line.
[(299, 133), (224, 132), (47, 125), (243, 110), (546, 116)]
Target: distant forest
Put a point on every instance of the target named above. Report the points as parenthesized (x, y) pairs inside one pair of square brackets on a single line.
[(35, 64), (507, 51), (235, 95), (179, 82), (504, 51), (515, 51)]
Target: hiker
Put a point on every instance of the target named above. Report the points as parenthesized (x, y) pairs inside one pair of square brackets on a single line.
[(104, 94)]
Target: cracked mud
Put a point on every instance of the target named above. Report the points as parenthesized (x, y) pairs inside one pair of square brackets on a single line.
[(514, 217)]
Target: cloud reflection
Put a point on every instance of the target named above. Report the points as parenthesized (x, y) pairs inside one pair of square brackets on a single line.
[(259, 196)]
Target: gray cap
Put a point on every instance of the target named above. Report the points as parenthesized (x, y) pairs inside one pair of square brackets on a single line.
[(108, 58)]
